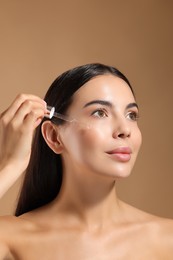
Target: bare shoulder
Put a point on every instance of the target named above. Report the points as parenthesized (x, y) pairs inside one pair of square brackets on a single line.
[(6, 227), (164, 232), (161, 228), (10, 227), (9, 223), (160, 232), (13, 225), (157, 230)]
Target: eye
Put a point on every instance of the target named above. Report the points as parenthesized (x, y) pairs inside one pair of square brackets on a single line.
[(101, 113), (134, 116)]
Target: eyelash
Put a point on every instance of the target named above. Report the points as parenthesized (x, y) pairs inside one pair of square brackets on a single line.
[(99, 110), (135, 115)]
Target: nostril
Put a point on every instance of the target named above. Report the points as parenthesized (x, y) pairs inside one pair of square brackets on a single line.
[(121, 135), (123, 132)]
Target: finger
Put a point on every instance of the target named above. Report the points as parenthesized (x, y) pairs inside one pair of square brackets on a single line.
[(27, 107), (20, 99), (33, 119)]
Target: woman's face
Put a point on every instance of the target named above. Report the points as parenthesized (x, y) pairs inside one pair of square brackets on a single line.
[(105, 138)]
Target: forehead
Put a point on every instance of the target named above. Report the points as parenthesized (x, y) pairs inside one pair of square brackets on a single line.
[(106, 87)]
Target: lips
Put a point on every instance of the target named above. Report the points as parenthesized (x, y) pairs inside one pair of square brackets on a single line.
[(122, 154)]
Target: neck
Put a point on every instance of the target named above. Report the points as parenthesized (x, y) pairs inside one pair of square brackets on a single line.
[(91, 200)]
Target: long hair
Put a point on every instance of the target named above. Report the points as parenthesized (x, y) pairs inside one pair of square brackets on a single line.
[(43, 177)]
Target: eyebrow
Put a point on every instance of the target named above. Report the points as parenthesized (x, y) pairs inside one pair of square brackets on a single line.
[(108, 104), (100, 102), (130, 105)]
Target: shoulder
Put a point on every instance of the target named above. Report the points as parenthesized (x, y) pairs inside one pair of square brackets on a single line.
[(7, 228), (164, 233), (160, 228), (157, 230), (10, 222), (7, 224), (161, 233), (11, 226)]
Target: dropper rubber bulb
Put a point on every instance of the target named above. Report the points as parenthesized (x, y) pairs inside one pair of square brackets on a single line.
[(50, 112)]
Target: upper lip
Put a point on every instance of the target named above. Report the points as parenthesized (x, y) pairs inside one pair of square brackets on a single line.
[(123, 150)]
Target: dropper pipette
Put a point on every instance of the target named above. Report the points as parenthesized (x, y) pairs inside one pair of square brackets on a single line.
[(51, 113)]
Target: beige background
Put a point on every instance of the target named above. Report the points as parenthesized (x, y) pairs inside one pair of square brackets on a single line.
[(40, 39)]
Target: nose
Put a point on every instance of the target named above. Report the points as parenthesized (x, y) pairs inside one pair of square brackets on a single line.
[(122, 129)]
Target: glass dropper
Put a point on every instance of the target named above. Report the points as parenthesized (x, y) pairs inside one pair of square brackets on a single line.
[(51, 113)]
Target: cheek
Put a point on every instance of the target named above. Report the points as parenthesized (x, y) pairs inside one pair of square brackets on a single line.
[(90, 138), (83, 140)]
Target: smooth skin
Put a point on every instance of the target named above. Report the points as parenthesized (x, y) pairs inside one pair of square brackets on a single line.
[(87, 220)]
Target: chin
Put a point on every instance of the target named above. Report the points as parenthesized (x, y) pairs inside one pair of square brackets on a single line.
[(120, 172), (114, 174), (122, 175)]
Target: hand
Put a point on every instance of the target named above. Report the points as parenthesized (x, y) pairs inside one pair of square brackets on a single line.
[(17, 126)]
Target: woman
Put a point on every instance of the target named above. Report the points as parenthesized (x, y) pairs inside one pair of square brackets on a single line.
[(68, 207)]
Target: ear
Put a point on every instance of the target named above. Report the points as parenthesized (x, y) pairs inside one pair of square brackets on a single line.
[(51, 137)]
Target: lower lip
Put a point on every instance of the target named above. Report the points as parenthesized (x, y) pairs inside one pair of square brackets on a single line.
[(122, 157)]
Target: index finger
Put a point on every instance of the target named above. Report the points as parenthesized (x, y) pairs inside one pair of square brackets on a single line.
[(19, 100)]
